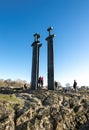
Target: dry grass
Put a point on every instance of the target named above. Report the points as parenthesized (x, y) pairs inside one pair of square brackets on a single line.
[(10, 100)]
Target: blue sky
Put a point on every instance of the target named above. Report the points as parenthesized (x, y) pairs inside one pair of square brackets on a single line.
[(20, 19)]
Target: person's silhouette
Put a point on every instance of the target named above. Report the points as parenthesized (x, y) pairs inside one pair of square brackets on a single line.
[(75, 85)]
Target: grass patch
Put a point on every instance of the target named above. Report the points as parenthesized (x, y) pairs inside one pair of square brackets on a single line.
[(11, 100)]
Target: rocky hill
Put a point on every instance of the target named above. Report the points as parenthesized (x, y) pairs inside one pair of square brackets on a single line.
[(44, 110)]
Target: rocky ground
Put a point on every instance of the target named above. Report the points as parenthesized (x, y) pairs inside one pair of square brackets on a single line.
[(44, 110)]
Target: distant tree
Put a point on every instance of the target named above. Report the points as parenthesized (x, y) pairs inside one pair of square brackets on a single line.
[(59, 85), (7, 82), (1, 82), (16, 83), (67, 85)]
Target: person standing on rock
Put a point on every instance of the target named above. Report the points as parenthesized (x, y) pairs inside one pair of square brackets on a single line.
[(56, 85), (39, 82), (75, 85), (42, 81)]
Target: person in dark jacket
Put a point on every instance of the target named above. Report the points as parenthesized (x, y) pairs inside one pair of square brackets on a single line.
[(42, 81), (39, 82), (75, 85)]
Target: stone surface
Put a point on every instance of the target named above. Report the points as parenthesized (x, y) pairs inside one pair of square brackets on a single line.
[(45, 110)]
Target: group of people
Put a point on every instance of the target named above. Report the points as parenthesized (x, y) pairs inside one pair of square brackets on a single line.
[(67, 89), (40, 82)]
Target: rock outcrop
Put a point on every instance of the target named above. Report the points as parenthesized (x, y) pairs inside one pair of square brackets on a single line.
[(45, 110)]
